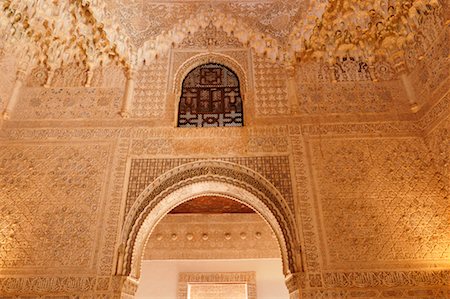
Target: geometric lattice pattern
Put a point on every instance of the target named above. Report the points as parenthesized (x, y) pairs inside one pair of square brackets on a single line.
[(274, 168), (150, 92), (210, 98), (50, 197), (270, 87), (384, 199)]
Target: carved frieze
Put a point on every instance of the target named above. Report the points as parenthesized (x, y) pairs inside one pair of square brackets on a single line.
[(352, 98), (68, 103)]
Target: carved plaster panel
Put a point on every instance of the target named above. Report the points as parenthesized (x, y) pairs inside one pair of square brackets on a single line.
[(438, 142), (212, 236), (68, 103), (308, 223), (113, 207), (436, 114), (247, 278), (51, 205), (271, 96), (352, 98), (274, 18), (394, 128), (382, 284), (145, 20), (382, 203), (33, 286), (150, 92), (345, 70)]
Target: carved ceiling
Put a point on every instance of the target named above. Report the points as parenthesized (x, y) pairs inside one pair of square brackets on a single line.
[(211, 205), (146, 20), (133, 33)]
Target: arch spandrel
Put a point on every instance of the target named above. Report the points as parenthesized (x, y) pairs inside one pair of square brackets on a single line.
[(207, 177)]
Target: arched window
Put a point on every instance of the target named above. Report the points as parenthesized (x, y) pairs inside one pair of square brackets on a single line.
[(210, 97)]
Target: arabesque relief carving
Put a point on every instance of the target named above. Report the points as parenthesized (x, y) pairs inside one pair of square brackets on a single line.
[(389, 181), (344, 151), (51, 195)]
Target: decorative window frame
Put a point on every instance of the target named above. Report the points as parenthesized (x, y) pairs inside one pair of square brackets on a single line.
[(206, 58), (184, 278), (206, 103)]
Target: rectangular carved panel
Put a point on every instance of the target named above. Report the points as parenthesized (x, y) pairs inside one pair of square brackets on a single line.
[(271, 96), (50, 202), (382, 202), (150, 91), (68, 103)]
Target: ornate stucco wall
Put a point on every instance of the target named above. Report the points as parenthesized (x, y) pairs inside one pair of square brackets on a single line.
[(366, 179)]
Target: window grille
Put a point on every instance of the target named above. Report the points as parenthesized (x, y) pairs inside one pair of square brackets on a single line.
[(210, 97)]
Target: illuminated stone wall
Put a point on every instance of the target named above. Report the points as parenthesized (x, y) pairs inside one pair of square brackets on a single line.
[(369, 180)]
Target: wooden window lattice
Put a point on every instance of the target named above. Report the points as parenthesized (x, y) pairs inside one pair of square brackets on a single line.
[(210, 97)]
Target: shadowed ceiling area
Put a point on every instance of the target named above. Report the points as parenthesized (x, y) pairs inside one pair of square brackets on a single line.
[(211, 205)]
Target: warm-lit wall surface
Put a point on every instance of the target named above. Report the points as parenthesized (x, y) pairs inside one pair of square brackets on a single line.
[(365, 180), (160, 278)]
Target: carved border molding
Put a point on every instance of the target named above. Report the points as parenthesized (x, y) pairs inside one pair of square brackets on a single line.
[(386, 279), (138, 132), (193, 179), (371, 279), (216, 277), (436, 114), (376, 282), (41, 285), (398, 128)]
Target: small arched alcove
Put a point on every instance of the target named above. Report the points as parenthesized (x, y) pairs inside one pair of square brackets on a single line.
[(214, 178)]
